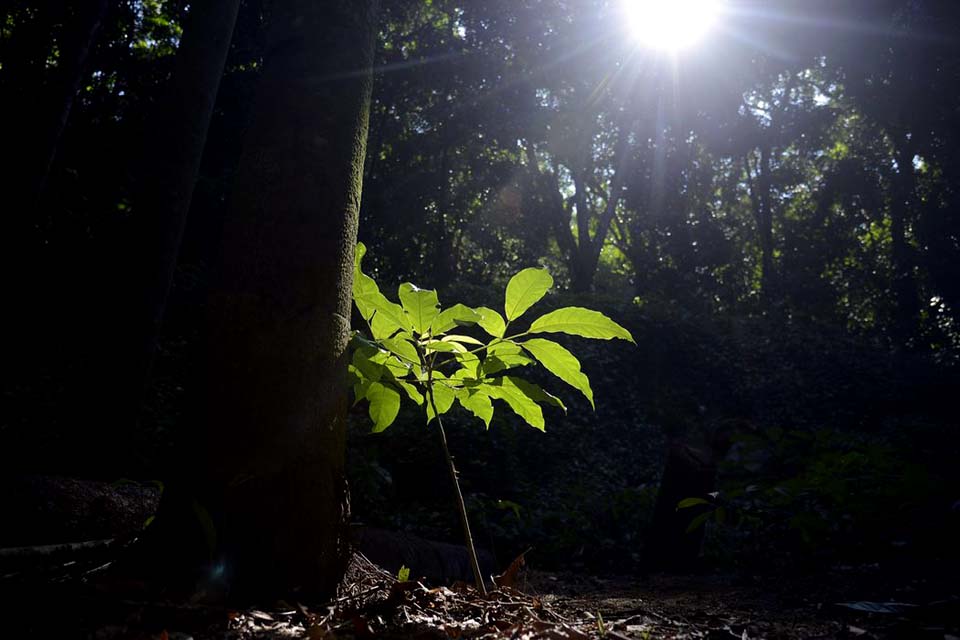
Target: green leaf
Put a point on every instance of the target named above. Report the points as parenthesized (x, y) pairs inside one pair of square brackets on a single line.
[(470, 363), (385, 317), (391, 363), (504, 355), (536, 393), (404, 574), (443, 396), (686, 503), (524, 290), (421, 306), (365, 366), (582, 322), (518, 401), (384, 405), (697, 522), (561, 363), (412, 392), (444, 346), (458, 314), (453, 337), (363, 285), (477, 403), (491, 321), (402, 348), (388, 319)]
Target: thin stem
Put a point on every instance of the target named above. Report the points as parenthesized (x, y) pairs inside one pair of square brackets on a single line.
[(461, 507)]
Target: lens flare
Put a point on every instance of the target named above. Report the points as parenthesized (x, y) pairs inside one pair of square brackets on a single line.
[(670, 25)]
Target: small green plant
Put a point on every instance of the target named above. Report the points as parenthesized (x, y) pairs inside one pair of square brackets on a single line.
[(714, 509), (412, 349), (403, 575)]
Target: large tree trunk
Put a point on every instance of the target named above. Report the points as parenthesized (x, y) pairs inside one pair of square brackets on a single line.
[(273, 418)]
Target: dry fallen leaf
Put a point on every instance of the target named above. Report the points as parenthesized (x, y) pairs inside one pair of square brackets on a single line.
[(508, 578)]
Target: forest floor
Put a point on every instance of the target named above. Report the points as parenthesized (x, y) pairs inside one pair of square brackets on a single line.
[(72, 602)]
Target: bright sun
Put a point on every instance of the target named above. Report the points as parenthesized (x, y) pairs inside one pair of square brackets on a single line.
[(670, 25)]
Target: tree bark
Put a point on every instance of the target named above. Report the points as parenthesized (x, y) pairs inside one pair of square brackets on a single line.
[(273, 414)]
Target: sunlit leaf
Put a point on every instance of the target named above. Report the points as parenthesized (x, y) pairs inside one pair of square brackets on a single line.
[(504, 355), (524, 290), (402, 348), (470, 363), (582, 322), (561, 363), (384, 405), (421, 306), (384, 316), (453, 337), (536, 393), (491, 321), (518, 401), (477, 403), (362, 361), (456, 315), (443, 396), (444, 346), (412, 392), (394, 365)]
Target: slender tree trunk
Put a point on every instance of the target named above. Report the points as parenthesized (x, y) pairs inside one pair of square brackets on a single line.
[(445, 260), (75, 49), (905, 292), (181, 123), (22, 77), (759, 181), (273, 413), (170, 166), (765, 226)]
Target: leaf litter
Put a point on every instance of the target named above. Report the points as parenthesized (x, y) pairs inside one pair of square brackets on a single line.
[(525, 605)]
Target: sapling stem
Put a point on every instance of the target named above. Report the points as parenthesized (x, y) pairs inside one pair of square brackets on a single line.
[(461, 507)]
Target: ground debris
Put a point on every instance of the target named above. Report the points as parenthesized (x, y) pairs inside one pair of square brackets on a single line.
[(372, 603)]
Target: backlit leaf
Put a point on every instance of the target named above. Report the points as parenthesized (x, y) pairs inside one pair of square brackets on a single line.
[(504, 355), (421, 306), (443, 396), (411, 390), (491, 321), (518, 401), (453, 337), (458, 314), (402, 348), (536, 393), (561, 363), (477, 403), (444, 346), (524, 290), (384, 405), (582, 322)]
